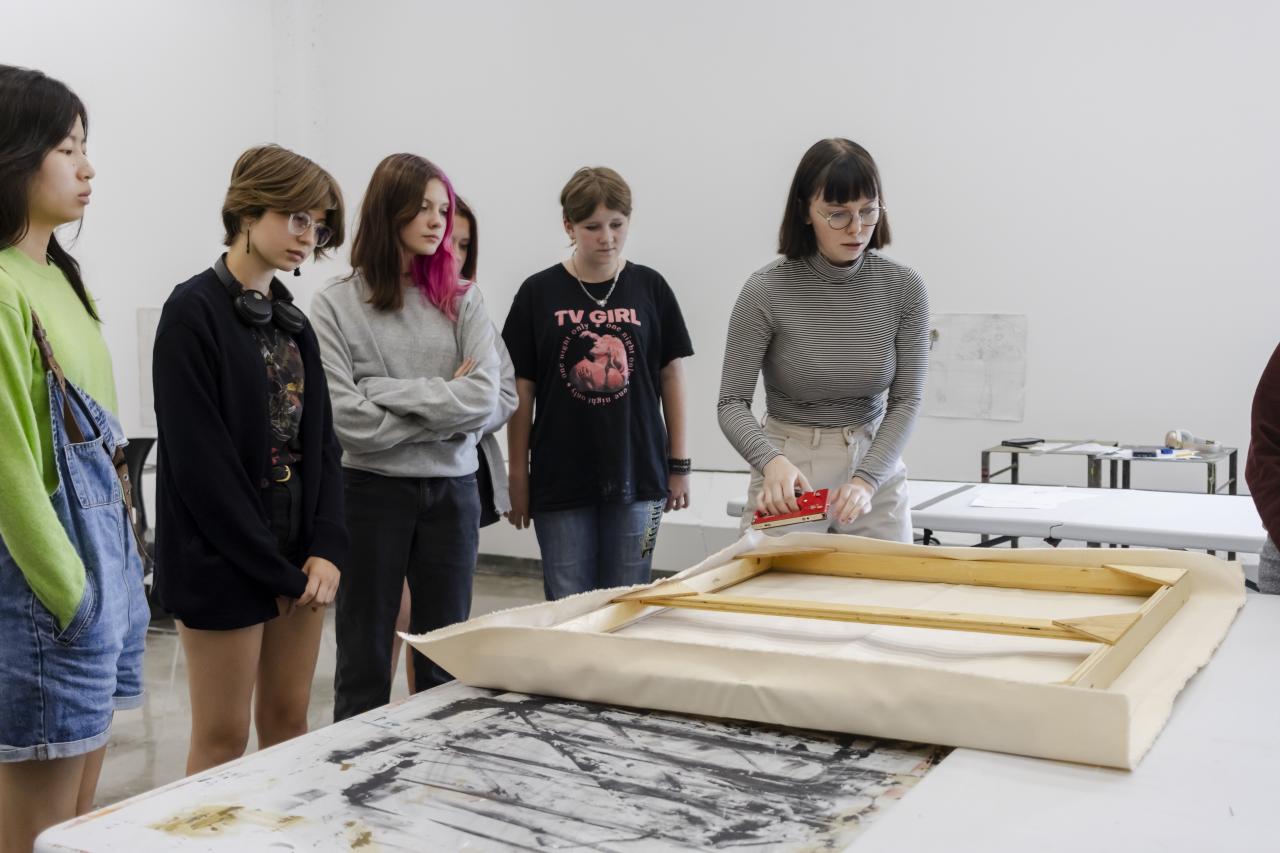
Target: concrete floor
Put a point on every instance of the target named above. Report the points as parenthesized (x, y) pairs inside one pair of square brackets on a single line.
[(148, 746)]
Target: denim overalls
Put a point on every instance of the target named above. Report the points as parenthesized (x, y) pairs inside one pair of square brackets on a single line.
[(60, 688)]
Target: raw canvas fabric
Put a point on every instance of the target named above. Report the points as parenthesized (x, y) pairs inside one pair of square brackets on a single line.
[(946, 687)]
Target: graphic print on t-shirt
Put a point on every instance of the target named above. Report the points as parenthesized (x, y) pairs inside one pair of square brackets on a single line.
[(597, 354), (605, 368), (286, 382)]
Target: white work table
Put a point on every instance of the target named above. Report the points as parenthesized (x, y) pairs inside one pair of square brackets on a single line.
[(1208, 783), (459, 768), (1134, 517), (1165, 520), (1121, 516), (951, 511)]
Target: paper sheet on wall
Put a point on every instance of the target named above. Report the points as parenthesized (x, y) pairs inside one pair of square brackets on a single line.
[(978, 367)]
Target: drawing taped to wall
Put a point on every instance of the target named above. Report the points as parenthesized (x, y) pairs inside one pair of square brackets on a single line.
[(978, 367), (148, 321)]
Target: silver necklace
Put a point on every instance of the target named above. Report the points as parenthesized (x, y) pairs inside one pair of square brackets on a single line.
[(601, 302)]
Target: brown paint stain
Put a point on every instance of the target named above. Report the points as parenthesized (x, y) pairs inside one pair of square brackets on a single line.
[(207, 820), (360, 836), (197, 821)]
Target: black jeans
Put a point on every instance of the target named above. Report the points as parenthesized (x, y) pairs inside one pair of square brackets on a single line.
[(423, 529)]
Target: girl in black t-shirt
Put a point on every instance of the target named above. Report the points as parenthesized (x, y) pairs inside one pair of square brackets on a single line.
[(597, 443)]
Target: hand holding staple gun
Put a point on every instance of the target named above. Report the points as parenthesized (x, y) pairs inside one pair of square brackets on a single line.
[(812, 507)]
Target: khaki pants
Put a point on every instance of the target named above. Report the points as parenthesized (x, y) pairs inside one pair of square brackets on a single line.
[(829, 458)]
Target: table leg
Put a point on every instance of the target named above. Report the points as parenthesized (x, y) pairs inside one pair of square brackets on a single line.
[(986, 478)]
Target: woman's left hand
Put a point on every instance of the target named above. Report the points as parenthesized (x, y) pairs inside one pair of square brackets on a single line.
[(677, 492), (851, 500), (322, 582)]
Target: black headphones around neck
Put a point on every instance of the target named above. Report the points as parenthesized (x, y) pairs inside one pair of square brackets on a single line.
[(255, 309)]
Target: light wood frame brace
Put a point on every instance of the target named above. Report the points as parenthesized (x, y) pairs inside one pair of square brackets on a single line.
[(1120, 636)]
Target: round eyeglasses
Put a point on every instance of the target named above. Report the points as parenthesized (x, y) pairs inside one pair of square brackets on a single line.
[(299, 223), (843, 218)]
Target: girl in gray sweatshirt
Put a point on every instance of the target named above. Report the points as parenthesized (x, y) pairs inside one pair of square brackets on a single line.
[(408, 350)]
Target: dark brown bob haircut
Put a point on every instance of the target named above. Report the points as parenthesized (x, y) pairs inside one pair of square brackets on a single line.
[(269, 177), (838, 171), (591, 186), (461, 208)]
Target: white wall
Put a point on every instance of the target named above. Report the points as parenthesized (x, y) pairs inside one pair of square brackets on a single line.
[(174, 92), (1106, 168)]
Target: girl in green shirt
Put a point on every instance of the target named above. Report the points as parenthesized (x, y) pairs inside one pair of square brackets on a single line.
[(72, 611)]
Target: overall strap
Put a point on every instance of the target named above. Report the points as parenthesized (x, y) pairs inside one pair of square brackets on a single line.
[(51, 365), (77, 435)]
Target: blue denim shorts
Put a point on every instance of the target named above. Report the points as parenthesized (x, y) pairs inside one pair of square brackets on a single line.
[(59, 687)]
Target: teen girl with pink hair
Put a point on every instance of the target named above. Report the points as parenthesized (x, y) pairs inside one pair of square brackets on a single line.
[(414, 377)]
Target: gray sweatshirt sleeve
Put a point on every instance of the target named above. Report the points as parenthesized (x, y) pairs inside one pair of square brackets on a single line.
[(362, 425), (507, 398), (449, 406), (747, 340), (911, 347)]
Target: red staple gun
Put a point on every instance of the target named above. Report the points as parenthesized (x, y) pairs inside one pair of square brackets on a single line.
[(813, 507)]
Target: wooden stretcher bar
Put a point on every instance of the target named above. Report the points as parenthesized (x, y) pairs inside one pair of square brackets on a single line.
[(1121, 636), (1105, 629), (1099, 580)]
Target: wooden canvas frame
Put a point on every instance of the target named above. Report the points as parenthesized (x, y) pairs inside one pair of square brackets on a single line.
[(1119, 636), (1138, 624)]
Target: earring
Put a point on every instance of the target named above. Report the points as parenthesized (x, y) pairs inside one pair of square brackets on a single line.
[(248, 237)]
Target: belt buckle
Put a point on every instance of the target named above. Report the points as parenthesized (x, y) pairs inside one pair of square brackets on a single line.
[(288, 475)]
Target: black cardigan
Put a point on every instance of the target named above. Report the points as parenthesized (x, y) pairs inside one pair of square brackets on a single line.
[(218, 565)]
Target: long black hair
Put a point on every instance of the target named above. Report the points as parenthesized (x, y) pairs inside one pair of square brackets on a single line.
[(36, 115)]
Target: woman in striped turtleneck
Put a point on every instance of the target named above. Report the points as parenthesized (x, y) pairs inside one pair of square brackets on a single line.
[(841, 334)]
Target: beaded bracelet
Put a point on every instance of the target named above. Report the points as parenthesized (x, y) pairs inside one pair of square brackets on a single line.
[(679, 466)]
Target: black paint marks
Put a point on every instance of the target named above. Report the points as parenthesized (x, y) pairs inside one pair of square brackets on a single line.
[(341, 755), (539, 773), (378, 785)]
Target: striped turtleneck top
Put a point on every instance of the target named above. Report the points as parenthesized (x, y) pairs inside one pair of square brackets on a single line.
[(839, 347)]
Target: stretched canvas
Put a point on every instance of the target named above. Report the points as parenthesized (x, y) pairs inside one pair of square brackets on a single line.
[(1069, 654)]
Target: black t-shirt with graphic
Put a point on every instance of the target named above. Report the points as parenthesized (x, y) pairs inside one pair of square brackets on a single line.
[(598, 432), (286, 381)]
